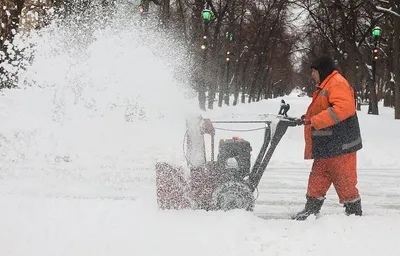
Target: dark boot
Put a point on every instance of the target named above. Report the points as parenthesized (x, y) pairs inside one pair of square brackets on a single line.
[(353, 207), (313, 206)]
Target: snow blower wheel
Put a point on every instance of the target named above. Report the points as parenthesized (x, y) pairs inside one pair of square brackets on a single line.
[(233, 195)]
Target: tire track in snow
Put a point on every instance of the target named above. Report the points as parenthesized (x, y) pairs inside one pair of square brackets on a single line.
[(283, 190)]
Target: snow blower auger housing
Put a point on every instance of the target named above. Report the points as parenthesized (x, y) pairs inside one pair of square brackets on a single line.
[(227, 183)]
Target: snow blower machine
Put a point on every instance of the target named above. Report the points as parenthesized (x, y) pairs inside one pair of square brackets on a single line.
[(226, 183)]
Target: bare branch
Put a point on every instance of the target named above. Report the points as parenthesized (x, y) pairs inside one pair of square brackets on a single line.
[(389, 11)]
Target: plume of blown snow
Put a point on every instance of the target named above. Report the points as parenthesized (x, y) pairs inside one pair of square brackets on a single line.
[(94, 86)]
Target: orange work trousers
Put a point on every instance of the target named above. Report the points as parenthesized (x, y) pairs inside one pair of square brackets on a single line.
[(339, 170)]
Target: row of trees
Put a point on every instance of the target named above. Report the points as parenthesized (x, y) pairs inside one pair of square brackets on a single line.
[(344, 29), (257, 49)]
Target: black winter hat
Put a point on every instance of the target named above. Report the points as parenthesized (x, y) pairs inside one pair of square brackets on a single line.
[(324, 65)]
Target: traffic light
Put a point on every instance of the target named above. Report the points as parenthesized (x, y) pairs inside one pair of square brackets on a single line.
[(203, 45), (376, 54), (228, 56)]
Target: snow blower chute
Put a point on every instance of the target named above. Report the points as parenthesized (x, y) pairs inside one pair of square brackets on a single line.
[(225, 183)]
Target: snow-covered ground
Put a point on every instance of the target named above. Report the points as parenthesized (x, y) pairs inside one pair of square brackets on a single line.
[(78, 151)]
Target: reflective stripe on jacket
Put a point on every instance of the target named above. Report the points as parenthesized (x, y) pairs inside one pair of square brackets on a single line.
[(334, 128)]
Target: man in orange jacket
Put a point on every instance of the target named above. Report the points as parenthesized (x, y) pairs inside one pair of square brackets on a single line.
[(332, 138)]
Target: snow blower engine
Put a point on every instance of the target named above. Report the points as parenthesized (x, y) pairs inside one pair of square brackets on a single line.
[(227, 183)]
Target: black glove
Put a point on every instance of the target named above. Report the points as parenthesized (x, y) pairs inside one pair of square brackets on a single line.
[(302, 120), (299, 121)]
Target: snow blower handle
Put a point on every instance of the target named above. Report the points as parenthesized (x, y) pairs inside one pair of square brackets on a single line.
[(293, 121), (271, 141)]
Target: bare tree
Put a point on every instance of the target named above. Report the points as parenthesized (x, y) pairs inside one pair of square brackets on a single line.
[(392, 11), (10, 14), (345, 28)]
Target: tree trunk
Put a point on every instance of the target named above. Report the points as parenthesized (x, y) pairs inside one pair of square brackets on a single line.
[(221, 86), (202, 82), (256, 75), (165, 11), (228, 79), (181, 12), (243, 83), (396, 66), (211, 98), (197, 32), (145, 4)]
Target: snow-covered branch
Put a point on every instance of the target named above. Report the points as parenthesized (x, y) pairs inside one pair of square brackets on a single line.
[(300, 50), (390, 11)]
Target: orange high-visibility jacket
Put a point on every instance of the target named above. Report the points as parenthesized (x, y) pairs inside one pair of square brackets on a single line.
[(334, 128)]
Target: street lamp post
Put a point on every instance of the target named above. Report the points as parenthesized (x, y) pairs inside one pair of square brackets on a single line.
[(242, 84), (373, 101), (207, 16), (358, 90)]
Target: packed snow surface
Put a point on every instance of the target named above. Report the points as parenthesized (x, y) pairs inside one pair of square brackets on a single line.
[(79, 141)]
